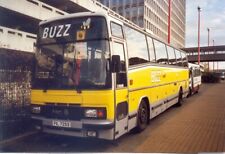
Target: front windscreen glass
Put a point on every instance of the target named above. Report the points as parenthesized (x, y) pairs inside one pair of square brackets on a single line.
[(81, 65), (80, 61)]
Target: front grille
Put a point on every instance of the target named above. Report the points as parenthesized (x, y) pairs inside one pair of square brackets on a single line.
[(63, 112)]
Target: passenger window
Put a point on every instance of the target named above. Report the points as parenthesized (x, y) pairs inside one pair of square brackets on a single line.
[(179, 58), (116, 30), (151, 49), (197, 72), (160, 52), (137, 47), (171, 56), (118, 49)]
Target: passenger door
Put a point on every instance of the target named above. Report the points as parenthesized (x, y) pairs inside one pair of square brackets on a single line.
[(120, 91)]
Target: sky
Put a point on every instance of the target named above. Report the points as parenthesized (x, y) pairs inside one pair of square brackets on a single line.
[(212, 17)]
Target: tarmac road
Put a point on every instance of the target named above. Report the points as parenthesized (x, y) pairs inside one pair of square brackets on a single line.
[(197, 126)]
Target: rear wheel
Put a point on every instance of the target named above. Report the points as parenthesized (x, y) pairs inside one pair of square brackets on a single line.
[(198, 89), (189, 92), (143, 117), (180, 98)]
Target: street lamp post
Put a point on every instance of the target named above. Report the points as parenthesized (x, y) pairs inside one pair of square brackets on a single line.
[(208, 35), (208, 43), (169, 22), (213, 62), (199, 10)]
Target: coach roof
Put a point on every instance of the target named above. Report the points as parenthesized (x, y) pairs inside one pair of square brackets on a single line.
[(82, 14)]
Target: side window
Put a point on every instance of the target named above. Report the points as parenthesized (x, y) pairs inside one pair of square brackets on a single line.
[(194, 73), (118, 49), (184, 59), (137, 47), (116, 30), (171, 56), (160, 52), (197, 72), (179, 58), (151, 49), (121, 77)]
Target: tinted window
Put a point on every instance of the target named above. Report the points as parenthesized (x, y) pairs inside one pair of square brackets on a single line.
[(151, 49), (179, 58), (171, 55), (137, 47), (116, 30), (160, 51)]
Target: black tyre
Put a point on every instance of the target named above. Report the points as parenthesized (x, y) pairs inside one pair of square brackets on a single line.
[(143, 117), (180, 98), (189, 92), (198, 89)]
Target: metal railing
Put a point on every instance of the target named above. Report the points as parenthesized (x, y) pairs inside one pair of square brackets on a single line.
[(14, 94), (15, 84), (14, 102)]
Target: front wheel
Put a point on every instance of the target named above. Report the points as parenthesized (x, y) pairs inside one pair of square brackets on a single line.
[(143, 117)]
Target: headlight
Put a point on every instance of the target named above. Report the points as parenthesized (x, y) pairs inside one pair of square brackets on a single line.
[(95, 113), (90, 113), (35, 109)]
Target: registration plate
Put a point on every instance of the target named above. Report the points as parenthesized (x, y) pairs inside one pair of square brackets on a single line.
[(64, 124)]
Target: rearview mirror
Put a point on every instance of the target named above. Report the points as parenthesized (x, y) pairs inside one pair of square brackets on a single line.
[(116, 65)]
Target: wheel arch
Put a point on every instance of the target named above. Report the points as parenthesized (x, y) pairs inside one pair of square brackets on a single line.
[(146, 100), (181, 89)]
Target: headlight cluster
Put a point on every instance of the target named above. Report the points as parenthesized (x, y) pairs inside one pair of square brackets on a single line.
[(92, 113), (35, 109), (98, 113)]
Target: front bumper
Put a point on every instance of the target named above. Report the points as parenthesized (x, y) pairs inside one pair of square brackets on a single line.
[(104, 129)]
